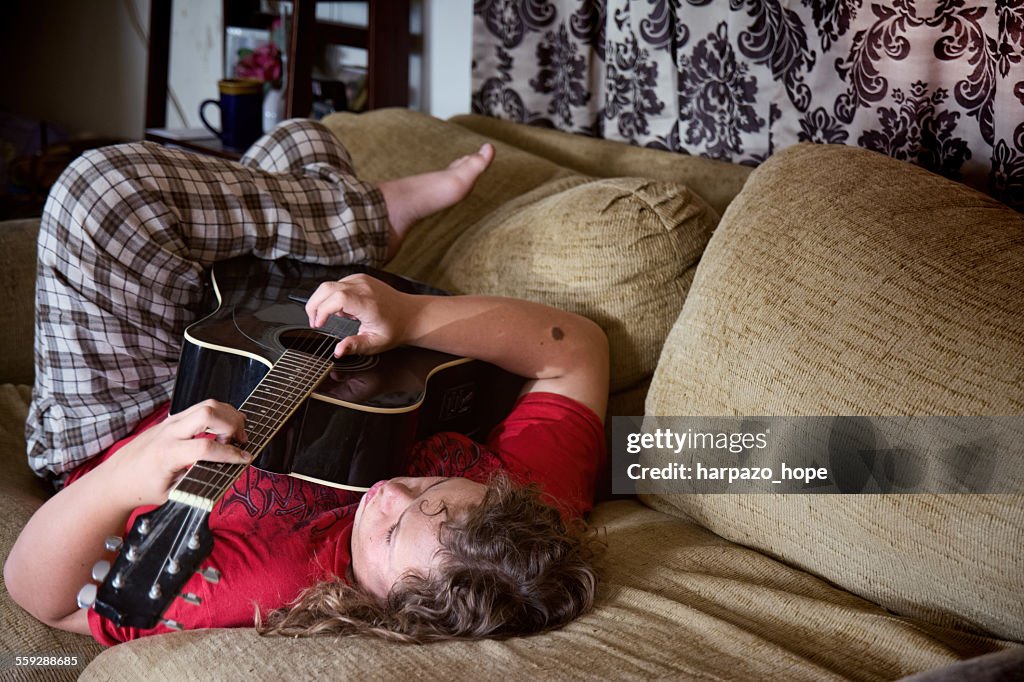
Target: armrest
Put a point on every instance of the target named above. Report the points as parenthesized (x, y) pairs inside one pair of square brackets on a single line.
[(17, 298)]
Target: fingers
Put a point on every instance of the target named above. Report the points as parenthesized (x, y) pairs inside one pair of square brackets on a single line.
[(209, 416), (333, 303), (357, 344), (330, 298), (380, 310), (186, 453)]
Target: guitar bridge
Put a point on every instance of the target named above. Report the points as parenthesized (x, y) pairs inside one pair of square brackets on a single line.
[(457, 402)]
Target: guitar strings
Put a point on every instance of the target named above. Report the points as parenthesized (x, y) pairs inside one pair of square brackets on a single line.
[(305, 376), (226, 474), (260, 431), (195, 516)]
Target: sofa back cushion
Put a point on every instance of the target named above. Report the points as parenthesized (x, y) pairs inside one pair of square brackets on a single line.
[(17, 298), (717, 182), (620, 251), (842, 282)]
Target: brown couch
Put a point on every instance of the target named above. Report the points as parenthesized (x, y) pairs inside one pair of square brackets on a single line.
[(837, 282)]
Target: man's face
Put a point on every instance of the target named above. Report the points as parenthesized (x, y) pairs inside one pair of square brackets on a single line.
[(397, 526)]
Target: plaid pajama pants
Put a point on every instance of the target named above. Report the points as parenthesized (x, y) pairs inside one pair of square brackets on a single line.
[(125, 238)]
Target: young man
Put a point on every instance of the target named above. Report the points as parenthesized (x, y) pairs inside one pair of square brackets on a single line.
[(458, 548)]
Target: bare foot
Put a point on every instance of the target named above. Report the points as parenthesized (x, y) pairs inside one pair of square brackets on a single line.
[(415, 197)]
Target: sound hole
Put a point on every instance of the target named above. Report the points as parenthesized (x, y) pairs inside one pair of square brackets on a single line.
[(321, 345), (355, 363)]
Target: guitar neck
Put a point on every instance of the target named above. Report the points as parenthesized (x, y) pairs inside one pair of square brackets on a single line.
[(290, 381)]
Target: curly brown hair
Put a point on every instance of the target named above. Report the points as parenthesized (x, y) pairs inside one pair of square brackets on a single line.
[(509, 566)]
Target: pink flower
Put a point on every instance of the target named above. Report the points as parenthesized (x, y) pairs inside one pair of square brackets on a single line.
[(262, 64)]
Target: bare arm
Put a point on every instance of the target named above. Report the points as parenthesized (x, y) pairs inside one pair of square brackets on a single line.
[(55, 552), (53, 557), (558, 351)]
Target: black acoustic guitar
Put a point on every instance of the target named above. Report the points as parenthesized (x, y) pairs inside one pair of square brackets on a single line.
[(342, 422)]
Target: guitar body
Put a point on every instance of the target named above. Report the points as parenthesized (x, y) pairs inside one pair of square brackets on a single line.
[(369, 411)]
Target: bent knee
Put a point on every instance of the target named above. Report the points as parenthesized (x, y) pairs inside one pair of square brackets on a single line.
[(94, 185)]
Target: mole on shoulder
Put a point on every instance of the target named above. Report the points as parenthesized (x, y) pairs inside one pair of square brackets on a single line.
[(557, 334)]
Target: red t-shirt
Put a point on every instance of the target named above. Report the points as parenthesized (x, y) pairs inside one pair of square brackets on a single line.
[(275, 535)]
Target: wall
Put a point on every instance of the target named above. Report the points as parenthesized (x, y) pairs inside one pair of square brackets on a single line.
[(77, 64), (197, 58), (82, 65)]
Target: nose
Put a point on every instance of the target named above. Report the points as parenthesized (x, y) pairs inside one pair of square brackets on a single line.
[(396, 493)]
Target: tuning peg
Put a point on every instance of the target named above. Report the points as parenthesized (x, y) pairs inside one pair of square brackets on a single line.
[(100, 570), (113, 543), (86, 596), (192, 598), (172, 624), (210, 574)]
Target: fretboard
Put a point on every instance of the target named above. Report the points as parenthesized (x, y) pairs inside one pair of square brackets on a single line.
[(278, 395)]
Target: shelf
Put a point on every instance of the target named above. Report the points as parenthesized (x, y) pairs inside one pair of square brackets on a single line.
[(386, 40), (210, 146)]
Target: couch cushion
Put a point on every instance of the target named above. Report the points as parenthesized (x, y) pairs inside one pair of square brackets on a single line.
[(21, 493), (620, 251), (717, 182), (676, 603), (842, 282), (17, 298)]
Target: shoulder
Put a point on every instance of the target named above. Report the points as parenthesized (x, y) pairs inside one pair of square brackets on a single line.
[(557, 443)]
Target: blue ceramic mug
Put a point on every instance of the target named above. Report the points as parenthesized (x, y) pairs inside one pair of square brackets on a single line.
[(241, 112)]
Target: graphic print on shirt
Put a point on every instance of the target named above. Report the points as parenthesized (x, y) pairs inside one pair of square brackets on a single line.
[(260, 494), (452, 454)]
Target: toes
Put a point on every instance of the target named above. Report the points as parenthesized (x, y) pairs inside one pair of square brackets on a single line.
[(486, 151), (480, 158)]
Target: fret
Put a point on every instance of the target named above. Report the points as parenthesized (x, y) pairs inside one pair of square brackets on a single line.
[(201, 488), (298, 361), (260, 415), (210, 468), (290, 381), (274, 380), (266, 390), (268, 414), (262, 404), (272, 391), (286, 386)]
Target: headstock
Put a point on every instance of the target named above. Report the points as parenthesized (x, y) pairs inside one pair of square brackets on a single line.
[(162, 551)]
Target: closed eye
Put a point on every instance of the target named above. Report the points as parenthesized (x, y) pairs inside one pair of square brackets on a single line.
[(392, 529)]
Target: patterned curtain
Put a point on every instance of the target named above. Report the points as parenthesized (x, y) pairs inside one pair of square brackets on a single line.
[(939, 83)]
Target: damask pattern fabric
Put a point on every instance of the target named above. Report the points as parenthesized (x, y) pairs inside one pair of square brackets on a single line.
[(939, 83)]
